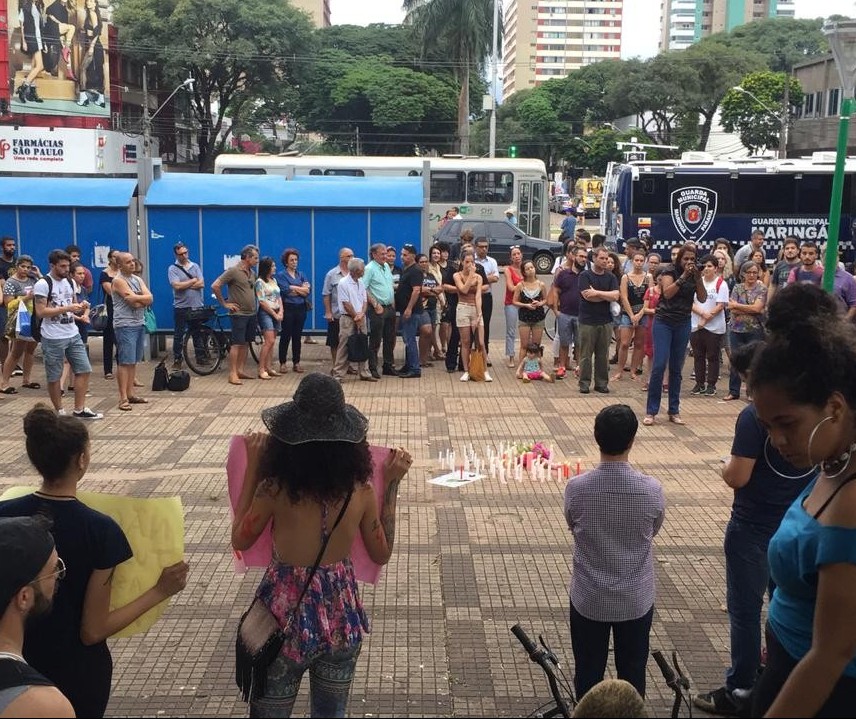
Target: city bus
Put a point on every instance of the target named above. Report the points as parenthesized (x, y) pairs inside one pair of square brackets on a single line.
[(480, 188), (701, 199)]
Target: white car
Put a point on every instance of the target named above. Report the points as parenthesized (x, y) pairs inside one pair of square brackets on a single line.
[(559, 202)]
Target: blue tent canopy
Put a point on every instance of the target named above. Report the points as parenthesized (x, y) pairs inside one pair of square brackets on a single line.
[(66, 191)]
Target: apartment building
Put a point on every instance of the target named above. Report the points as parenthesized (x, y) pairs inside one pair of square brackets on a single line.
[(318, 9), (684, 22), (546, 39)]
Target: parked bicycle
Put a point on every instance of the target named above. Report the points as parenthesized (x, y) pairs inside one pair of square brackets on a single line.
[(543, 656), (677, 681), (207, 342)]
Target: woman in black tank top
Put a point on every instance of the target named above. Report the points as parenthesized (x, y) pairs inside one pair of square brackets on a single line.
[(631, 325)]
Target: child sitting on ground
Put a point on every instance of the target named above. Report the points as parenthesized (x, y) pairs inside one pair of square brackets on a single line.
[(532, 366)]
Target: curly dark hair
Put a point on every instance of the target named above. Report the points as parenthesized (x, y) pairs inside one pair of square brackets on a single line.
[(810, 351), (320, 471), (53, 441)]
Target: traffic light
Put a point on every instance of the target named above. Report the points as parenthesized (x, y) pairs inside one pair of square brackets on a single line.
[(512, 151)]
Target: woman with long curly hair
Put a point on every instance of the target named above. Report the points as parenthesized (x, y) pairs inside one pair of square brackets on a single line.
[(310, 475)]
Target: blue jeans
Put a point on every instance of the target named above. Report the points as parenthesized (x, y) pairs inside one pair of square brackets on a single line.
[(410, 331), (510, 330), (670, 347), (330, 678), (735, 340), (747, 577)]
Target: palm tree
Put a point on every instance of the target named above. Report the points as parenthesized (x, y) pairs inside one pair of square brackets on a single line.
[(465, 29)]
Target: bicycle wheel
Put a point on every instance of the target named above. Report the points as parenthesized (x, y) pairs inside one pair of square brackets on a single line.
[(256, 345), (551, 325), (202, 350)]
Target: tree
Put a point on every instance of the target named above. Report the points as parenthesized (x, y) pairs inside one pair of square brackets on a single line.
[(462, 30), (758, 119), (234, 49), (784, 42)]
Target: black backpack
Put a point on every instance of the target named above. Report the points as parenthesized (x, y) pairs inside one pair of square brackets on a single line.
[(178, 381)]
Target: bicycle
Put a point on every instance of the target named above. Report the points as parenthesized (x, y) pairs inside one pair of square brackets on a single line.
[(551, 324), (207, 343), (544, 657), (676, 680)]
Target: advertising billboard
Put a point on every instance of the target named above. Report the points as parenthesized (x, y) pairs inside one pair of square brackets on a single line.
[(65, 151), (58, 58)]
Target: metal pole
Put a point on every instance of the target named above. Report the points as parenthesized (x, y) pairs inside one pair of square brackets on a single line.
[(494, 61), (830, 263), (783, 135), (147, 124)]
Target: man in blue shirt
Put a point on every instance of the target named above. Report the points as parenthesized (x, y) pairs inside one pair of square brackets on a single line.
[(569, 225), (185, 278), (379, 286)]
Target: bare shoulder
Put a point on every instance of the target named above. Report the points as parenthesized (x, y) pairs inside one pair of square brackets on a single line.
[(40, 702)]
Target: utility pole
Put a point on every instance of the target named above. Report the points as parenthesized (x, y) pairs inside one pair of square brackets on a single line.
[(147, 123), (783, 135), (494, 61)]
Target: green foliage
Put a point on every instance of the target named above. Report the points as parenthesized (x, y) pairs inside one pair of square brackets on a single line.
[(235, 49), (783, 42), (759, 128)]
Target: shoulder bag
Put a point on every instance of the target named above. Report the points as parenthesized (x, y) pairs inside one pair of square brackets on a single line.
[(260, 636), (358, 347)]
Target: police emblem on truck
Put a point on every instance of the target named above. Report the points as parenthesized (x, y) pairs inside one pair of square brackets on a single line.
[(693, 210)]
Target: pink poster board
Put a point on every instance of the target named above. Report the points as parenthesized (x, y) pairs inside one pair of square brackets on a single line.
[(259, 554)]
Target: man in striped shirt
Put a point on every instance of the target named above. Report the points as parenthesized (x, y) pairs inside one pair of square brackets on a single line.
[(614, 511)]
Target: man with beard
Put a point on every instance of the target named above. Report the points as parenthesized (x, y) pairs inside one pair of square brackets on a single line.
[(31, 570), (566, 303), (782, 270)]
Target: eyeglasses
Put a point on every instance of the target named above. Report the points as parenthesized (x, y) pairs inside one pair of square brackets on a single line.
[(59, 573), (514, 247)]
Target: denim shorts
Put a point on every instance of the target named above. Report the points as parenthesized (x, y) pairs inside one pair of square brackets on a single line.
[(243, 329), (266, 322), (624, 320), (55, 353), (130, 344)]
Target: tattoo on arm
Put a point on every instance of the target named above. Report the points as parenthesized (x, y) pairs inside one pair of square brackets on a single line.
[(387, 514)]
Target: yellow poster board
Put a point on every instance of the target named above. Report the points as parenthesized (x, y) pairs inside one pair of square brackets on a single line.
[(155, 530)]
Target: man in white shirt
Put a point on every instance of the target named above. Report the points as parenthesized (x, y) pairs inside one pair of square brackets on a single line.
[(330, 297), (55, 306), (353, 302), (756, 242), (708, 328)]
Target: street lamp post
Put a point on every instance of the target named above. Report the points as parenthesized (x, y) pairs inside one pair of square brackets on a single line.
[(841, 35), (494, 61), (147, 119), (783, 120)]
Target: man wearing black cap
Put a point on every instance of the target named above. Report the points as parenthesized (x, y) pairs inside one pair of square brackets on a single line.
[(31, 570)]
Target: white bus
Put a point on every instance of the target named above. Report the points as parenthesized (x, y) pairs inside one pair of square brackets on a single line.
[(480, 188)]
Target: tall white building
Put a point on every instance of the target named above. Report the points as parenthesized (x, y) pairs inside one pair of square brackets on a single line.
[(544, 39), (684, 22)]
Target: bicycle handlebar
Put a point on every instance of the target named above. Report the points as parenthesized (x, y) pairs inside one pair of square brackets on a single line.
[(539, 656)]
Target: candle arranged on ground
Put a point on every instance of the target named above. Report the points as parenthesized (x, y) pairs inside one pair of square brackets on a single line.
[(511, 461)]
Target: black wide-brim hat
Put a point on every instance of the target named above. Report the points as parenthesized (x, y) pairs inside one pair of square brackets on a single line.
[(318, 413)]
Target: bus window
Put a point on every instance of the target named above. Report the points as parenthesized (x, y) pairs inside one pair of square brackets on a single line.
[(244, 171), (524, 191), (814, 191), (344, 173), (447, 187), (535, 215), (490, 188), (650, 195), (764, 194)]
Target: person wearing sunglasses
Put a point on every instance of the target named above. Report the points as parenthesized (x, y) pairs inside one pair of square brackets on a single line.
[(68, 645), (31, 570)]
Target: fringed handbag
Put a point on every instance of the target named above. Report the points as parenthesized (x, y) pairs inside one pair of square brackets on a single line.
[(260, 636)]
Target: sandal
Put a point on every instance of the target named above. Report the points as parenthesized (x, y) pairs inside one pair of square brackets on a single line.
[(125, 406), (109, 375), (649, 420), (729, 398), (617, 377), (31, 385), (676, 419), (273, 373), (9, 390), (137, 400), (299, 369), (264, 375)]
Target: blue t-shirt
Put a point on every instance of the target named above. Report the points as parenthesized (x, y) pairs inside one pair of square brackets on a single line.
[(286, 282), (797, 550), (765, 498)]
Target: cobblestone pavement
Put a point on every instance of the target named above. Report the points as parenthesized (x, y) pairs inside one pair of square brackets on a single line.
[(468, 562)]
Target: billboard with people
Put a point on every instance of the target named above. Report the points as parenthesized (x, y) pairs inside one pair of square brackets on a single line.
[(58, 56)]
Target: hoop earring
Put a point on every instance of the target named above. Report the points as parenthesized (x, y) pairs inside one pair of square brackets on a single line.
[(814, 468), (811, 438)]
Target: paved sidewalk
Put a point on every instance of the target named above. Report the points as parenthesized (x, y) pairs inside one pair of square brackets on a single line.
[(468, 563)]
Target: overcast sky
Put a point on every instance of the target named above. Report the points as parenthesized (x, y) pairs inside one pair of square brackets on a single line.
[(641, 15)]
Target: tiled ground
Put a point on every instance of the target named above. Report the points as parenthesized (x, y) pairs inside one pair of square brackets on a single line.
[(468, 563)]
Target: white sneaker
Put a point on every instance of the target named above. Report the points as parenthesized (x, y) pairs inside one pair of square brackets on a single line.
[(487, 377), (465, 377), (61, 413)]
